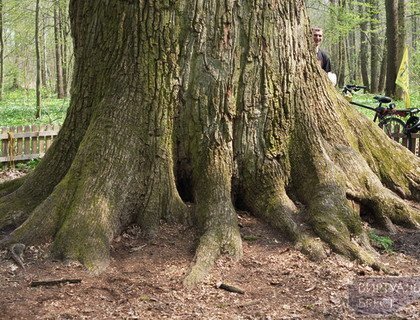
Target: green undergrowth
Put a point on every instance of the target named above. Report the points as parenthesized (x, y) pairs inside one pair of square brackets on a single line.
[(383, 243), (17, 108), (22, 166)]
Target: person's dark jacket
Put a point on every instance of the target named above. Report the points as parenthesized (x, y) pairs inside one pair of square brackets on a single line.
[(325, 61)]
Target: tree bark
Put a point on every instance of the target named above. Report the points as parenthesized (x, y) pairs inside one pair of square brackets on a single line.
[(382, 75), (391, 9), (58, 53), (1, 51), (402, 36), (44, 66), (374, 46), (342, 62), (352, 52), (414, 30), (38, 62), (364, 47), (63, 47), (220, 104)]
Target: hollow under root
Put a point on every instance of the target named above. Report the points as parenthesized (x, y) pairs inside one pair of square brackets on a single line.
[(15, 208), (387, 206), (11, 185)]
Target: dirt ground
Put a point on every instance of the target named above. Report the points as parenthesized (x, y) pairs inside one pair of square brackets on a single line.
[(144, 280)]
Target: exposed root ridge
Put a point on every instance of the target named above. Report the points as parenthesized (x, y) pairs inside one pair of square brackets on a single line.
[(212, 244), (278, 209)]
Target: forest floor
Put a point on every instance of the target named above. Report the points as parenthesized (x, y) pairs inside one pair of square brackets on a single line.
[(144, 280)]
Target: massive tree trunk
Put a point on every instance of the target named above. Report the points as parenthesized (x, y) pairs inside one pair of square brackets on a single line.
[(215, 104)]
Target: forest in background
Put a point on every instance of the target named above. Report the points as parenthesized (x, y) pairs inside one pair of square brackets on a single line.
[(36, 48), (365, 40)]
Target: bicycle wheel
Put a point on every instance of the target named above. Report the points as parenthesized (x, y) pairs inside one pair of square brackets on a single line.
[(392, 125)]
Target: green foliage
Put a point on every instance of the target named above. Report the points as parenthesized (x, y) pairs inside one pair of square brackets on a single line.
[(342, 20), (18, 108), (384, 243), (28, 165)]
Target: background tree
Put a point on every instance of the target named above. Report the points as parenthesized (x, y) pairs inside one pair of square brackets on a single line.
[(58, 51), (341, 20), (64, 43), (375, 45), (391, 7), (38, 62), (364, 45), (20, 63), (203, 102), (1, 51)]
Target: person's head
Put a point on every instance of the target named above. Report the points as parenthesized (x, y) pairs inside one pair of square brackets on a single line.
[(317, 36)]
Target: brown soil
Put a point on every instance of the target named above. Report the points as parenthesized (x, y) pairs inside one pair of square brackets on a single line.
[(144, 280)]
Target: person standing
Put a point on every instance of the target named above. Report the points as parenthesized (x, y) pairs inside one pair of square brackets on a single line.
[(322, 57)]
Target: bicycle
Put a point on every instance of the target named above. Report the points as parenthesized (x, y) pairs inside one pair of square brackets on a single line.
[(388, 115)]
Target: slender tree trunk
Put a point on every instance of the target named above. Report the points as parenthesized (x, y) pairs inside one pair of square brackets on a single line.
[(402, 34), (391, 8), (62, 26), (414, 30), (341, 67), (342, 62), (382, 74), (58, 55), (374, 46), (214, 103), (44, 83), (1, 51), (38, 62), (352, 51), (401, 42), (364, 48)]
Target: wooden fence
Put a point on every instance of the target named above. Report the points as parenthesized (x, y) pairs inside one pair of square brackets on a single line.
[(31, 142), (25, 142), (401, 138)]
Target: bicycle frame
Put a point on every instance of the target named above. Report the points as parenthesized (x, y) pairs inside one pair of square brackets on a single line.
[(377, 114)]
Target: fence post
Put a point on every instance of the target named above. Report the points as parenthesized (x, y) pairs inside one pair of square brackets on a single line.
[(27, 141)]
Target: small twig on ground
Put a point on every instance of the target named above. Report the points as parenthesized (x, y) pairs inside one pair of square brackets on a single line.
[(53, 282), (224, 286), (137, 248), (285, 250), (310, 289)]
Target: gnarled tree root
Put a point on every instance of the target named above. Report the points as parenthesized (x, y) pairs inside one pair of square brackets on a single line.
[(211, 245)]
